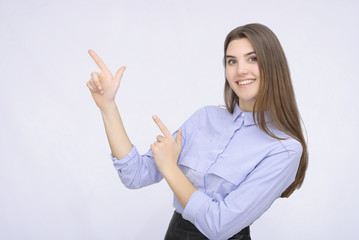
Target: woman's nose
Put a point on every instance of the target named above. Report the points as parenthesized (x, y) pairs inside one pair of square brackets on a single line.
[(242, 69)]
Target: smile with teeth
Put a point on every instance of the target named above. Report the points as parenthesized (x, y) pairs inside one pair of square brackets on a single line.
[(245, 82)]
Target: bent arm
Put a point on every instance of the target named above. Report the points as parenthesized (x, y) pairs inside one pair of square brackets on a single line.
[(136, 170), (180, 184), (103, 86), (117, 137), (240, 208)]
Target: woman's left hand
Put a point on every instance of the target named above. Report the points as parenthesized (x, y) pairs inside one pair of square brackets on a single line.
[(166, 149)]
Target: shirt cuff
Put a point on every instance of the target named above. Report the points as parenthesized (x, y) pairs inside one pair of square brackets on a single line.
[(120, 163), (197, 201)]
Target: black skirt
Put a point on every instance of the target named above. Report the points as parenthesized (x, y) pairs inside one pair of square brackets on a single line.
[(182, 229)]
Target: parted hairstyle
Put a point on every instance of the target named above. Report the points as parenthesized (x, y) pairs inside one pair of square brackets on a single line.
[(275, 95)]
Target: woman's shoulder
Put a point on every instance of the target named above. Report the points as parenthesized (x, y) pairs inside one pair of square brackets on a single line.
[(212, 110), (287, 143), (208, 115)]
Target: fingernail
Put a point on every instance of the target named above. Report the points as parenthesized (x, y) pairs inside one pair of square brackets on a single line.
[(99, 87)]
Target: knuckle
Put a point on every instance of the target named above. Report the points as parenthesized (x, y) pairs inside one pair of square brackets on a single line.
[(89, 85), (92, 83)]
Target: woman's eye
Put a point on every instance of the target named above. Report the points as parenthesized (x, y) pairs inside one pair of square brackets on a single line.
[(253, 59), (231, 61)]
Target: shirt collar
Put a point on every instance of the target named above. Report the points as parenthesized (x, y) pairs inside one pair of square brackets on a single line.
[(246, 116), (236, 112)]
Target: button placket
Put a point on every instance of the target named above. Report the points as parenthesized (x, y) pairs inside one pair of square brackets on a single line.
[(224, 144)]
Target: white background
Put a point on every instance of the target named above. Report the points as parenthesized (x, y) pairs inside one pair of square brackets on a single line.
[(56, 176)]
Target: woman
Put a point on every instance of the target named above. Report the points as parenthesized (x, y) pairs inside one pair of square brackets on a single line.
[(225, 166)]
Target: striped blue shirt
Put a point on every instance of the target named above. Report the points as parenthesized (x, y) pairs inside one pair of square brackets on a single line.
[(238, 169)]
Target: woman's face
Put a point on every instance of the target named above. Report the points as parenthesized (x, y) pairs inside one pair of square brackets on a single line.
[(242, 72)]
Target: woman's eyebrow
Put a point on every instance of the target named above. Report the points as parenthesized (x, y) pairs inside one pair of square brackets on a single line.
[(247, 54)]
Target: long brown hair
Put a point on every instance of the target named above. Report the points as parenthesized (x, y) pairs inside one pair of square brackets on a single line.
[(275, 95)]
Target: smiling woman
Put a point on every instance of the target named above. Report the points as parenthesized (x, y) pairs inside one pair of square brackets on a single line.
[(242, 72), (275, 98), (225, 166)]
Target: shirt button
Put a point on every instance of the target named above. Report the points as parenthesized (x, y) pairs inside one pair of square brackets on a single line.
[(242, 114)]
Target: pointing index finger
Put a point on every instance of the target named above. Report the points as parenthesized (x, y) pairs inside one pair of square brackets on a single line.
[(98, 61), (162, 127)]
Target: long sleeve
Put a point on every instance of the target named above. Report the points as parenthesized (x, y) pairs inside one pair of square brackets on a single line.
[(135, 170), (241, 207)]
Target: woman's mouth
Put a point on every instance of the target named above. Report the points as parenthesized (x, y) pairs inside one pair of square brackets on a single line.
[(246, 82)]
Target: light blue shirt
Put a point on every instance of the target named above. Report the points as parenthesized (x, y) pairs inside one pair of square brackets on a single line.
[(238, 169)]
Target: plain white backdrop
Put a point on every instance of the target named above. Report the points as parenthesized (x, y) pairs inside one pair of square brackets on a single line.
[(56, 176)]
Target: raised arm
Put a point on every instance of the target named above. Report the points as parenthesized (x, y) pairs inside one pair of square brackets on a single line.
[(103, 86)]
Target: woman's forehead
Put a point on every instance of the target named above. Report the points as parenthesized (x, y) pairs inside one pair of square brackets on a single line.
[(240, 46)]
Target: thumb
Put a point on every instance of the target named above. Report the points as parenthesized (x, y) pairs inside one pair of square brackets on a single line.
[(179, 138), (119, 74)]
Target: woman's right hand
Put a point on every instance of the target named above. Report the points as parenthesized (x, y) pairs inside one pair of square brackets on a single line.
[(103, 85)]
